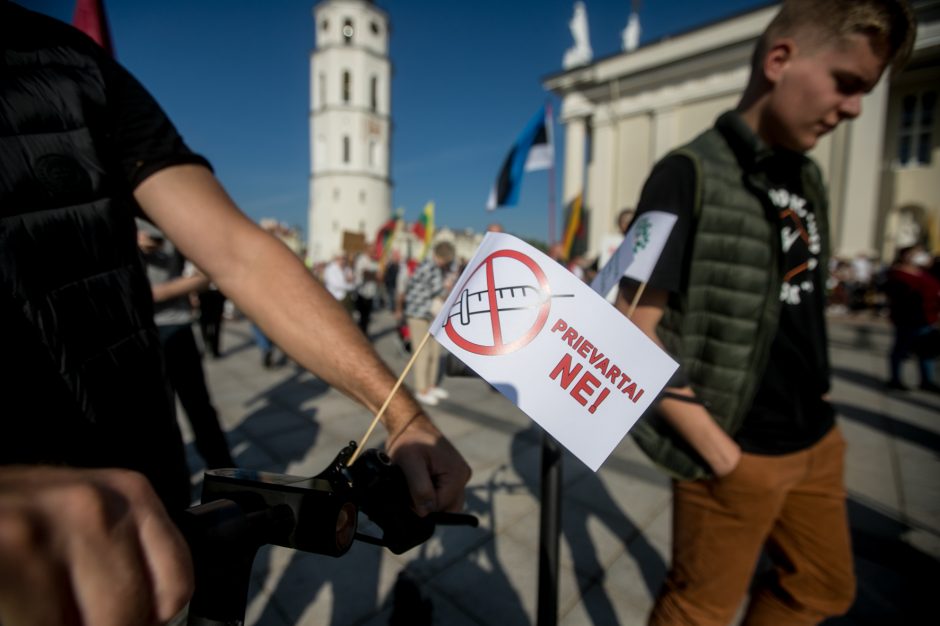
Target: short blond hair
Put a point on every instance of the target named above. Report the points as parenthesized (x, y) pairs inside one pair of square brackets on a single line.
[(889, 23)]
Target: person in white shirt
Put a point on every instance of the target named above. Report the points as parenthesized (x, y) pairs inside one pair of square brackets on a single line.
[(337, 278)]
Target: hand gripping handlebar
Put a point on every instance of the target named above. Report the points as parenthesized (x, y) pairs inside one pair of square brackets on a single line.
[(243, 510)]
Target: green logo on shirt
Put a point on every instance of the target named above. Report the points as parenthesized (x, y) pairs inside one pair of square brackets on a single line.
[(643, 228)]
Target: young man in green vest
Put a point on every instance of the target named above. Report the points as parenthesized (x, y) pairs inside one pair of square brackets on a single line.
[(738, 298)]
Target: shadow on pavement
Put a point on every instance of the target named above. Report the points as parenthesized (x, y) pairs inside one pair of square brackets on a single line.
[(276, 434), (897, 584), (890, 426), (575, 521), (479, 566), (871, 382)]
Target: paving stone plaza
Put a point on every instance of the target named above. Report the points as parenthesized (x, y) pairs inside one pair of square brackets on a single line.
[(616, 523)]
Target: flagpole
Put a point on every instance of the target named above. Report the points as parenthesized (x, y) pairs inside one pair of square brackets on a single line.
[(636, 300), (550, 474), (378, 416), (549, 531), (551, 177)]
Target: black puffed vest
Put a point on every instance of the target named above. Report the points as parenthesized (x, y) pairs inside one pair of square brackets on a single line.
[(722, 325), (82, 374)]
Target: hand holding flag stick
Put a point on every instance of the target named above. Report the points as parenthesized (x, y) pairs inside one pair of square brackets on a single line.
[(388, 400), (636, 257)]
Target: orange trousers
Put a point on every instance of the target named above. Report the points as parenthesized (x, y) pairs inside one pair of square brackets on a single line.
[(793, 506)]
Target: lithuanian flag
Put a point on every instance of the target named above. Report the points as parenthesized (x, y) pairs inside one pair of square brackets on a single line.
[(575, 236), (423, 229)]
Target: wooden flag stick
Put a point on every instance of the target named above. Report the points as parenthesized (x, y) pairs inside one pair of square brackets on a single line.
[(636, 299), (388, 400)]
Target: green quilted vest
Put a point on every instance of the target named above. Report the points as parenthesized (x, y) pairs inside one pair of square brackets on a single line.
[(722, 325)]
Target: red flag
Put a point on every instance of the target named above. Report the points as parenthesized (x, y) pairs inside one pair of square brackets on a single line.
[(383, 236), (90, 18)]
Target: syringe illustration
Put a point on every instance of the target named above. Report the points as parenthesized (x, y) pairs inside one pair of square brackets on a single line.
[(483, 318), (506, 298)]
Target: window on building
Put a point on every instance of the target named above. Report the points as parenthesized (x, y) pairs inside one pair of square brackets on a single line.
[(335, 193), (372, 153), (362, 197), (915, 135), (375, 28), (322, 81), (325, 24), (348, 31), (374, 93), (347, 86), (345, 148)]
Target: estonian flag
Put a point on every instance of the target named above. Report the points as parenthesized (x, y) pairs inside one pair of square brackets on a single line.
[(532, 151)]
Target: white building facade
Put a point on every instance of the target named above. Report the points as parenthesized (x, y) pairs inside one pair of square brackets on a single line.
[(350, 126), (624, 112)]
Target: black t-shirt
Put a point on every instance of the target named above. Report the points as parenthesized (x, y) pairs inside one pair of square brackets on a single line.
[(133, 138), (142, 137), (787, 413)]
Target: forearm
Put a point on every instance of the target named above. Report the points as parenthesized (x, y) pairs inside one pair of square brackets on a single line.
[(691, 421), (275, 290), (271, 286), (699, 429)]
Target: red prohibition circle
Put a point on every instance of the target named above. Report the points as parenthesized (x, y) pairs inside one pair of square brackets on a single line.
[(499, 347)]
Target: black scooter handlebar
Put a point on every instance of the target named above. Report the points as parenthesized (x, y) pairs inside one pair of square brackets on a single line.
[(243, 510)]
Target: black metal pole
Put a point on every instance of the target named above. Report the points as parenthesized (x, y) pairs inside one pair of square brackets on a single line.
[(549, 532)]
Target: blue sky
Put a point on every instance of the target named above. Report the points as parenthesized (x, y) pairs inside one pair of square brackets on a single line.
[(233, 75)]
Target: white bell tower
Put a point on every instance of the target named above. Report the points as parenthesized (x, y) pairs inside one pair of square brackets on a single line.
[(350, 125)]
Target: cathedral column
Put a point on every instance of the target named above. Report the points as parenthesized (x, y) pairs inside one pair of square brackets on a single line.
[(858, 216), (575, 110)]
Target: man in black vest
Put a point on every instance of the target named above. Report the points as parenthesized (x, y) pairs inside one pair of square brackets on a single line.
[(738, 298), (83, 148)]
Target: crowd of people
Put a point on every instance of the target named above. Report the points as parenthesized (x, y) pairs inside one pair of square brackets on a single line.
[(92, 469), (906, 292)]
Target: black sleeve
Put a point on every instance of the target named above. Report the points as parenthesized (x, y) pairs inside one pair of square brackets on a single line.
[(142, 137), (670, 188)]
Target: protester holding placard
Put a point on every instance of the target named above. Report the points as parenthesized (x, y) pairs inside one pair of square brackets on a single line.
[(738, 298)]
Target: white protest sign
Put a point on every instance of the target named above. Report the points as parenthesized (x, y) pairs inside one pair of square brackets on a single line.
[(554, 347), (638, 253)]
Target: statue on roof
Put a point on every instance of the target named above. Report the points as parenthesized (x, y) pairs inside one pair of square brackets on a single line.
[(631, 34), (580, 53)]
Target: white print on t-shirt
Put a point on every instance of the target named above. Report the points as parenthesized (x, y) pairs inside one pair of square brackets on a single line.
[(799, 234)]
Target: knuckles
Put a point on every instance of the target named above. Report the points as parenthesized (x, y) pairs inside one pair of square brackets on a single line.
[(21, 538)]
